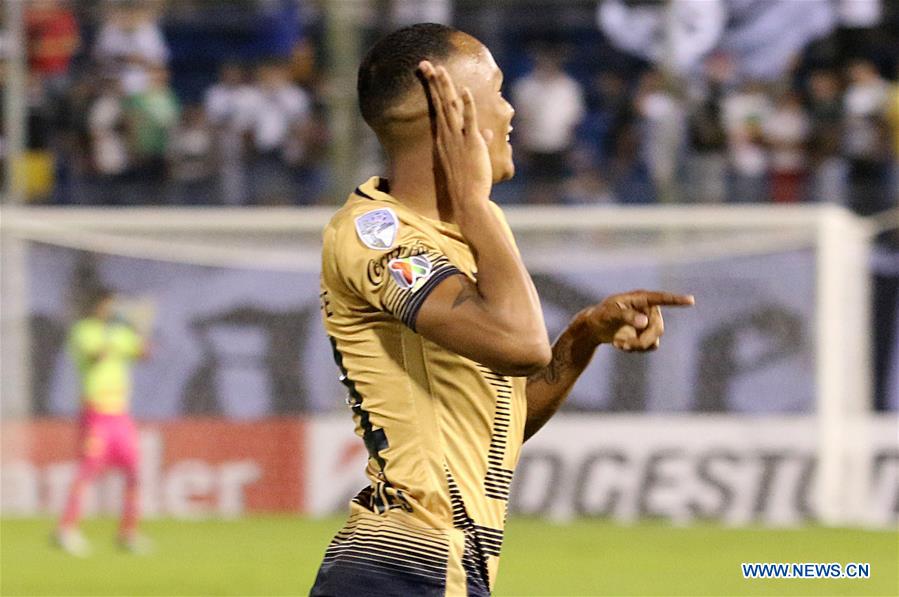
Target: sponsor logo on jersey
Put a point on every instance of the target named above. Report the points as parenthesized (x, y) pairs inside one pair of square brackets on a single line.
[(410, 272), (377, 228)]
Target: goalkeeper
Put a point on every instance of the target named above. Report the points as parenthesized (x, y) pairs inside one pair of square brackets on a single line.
[(104, 349)]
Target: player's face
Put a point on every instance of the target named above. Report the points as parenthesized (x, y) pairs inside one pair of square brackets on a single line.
[(475, 68), (103, 310)]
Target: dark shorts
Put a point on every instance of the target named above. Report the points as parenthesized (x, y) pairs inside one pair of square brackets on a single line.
[(390, 556), (341, 580)]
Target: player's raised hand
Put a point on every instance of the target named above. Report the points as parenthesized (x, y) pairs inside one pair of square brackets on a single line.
[(460, 147), (632, 321)]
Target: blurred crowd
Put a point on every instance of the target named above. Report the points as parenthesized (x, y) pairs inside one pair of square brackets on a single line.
[(831, 135), (111, 129), (107, 125)]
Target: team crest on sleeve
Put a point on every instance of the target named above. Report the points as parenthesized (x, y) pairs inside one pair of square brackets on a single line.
[(377, 228), (410, 273)]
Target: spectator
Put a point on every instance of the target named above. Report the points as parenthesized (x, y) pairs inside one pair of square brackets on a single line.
[(74, 139), (38, 112), (130, 44), (307, 154), (865, 137), (826, 126), (662, 132), (229, 108), (745, 112), (52, 39), (549, 105), (585, 186), (191, 159), (706, 165), (108, 139), (609, 108), (278, 131), (825, 103), (610, 133), (629, 176), (786, 132), (151, 115)]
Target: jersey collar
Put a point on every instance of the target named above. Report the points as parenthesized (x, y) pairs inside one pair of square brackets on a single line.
[(375, 188)]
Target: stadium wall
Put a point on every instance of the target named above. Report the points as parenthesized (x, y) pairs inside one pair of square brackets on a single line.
[(736, 470)]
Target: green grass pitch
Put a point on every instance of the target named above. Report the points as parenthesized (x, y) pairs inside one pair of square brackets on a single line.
[(279, 556)]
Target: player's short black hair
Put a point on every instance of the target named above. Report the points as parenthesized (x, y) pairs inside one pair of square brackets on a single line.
[(95, 296), (389, 68)]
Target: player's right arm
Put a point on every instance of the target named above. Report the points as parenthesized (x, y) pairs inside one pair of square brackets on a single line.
[(87, 343), (496, 321)]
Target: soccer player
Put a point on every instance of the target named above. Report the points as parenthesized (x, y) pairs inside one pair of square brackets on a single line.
[(104, 349), (437, 327)]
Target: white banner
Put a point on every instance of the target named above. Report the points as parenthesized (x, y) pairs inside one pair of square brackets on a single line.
[(761, 37), (731, 469)]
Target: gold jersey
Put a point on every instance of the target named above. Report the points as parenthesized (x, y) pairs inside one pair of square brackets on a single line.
[(443, 432)]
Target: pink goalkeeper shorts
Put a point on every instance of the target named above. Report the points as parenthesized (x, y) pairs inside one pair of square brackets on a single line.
[(108, 440)]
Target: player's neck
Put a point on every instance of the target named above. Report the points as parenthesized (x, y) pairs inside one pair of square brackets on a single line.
[(412, 183)]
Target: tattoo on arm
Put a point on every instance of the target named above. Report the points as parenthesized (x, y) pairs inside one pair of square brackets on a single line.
[(467, 292), (561, 360), (548, 389)]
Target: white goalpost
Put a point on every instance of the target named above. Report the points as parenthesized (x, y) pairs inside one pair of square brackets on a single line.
[(666, 244)]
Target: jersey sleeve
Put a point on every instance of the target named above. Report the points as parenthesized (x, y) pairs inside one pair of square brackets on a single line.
[(392, 270)]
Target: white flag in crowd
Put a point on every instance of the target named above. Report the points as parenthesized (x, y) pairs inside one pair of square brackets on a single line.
[(761, 36)]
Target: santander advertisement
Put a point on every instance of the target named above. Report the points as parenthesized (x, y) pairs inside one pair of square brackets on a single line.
[(189, 468)]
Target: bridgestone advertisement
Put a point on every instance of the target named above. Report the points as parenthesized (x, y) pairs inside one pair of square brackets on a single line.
[(732, 469)]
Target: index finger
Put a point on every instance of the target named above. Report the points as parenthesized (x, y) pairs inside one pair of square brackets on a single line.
[(425, 74), (654, 298), (426, 67)]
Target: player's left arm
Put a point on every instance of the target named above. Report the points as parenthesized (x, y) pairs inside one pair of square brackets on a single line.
[(631, 322), (134, 344)]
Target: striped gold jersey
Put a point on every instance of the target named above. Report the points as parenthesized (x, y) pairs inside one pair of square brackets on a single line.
[(443, 432)]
